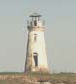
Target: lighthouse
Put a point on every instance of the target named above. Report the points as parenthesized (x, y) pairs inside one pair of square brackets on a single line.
[(36, 57)]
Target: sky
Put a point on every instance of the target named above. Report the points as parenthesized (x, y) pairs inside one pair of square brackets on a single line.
[(60, 34)]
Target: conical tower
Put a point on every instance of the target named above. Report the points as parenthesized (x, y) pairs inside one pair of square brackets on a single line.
[(36, 58)]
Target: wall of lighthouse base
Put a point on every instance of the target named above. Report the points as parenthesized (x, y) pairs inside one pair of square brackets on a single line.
[(37, 69)]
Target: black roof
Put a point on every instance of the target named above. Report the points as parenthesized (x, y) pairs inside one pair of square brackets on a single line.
[(35, 15)]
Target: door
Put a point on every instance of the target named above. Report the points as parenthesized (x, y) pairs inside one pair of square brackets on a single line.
[(36, 59)]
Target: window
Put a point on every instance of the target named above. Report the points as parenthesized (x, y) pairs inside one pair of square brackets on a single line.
[(35, 23), (35, 37), (35, 59)]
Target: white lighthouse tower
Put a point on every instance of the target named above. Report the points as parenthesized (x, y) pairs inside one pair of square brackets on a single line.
[(36, 58)]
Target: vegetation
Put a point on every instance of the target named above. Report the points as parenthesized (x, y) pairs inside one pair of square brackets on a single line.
[(21, 78)]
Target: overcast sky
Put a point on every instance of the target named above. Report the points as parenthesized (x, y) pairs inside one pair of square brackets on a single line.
[(60, 34)]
